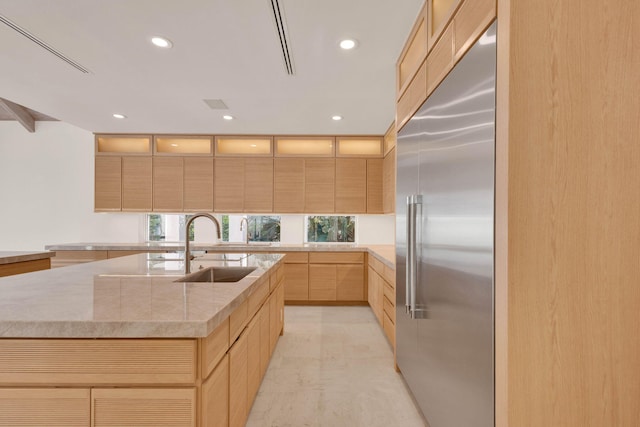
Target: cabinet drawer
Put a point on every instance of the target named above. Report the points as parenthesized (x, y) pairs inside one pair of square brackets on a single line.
[(296, 258), (389, 275), (38, 407), (258, 296), (97, 361), (238, 320), (389, 329), (389, 309), (143, 407), (375, 263), (214, 347), (336, 257)]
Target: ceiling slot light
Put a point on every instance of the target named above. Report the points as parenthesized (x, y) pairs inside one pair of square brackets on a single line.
[(227, 117), (119, 116), (336, 118), (161, 42), (347, 44), (254, 145)]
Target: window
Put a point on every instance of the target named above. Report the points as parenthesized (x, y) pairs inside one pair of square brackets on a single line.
[(167, 228), (331, 229), (262, 228)]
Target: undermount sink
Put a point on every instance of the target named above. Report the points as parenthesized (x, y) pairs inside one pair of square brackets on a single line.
[(217, 274)]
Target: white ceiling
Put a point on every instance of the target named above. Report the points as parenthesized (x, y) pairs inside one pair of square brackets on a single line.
[(223, 49)]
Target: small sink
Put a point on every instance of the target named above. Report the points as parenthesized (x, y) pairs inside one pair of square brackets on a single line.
[(217, 274)]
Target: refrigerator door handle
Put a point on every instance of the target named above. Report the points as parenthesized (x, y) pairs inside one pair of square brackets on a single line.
[(416, 251), (409, 258)]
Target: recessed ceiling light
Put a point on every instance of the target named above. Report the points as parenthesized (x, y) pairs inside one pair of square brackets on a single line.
[(253, 145), (174, 145), (347, 44), (336, 118), (161, 42), (119, 116), (228, 117)]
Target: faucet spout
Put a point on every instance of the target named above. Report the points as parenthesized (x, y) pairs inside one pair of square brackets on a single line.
[(187, 251)]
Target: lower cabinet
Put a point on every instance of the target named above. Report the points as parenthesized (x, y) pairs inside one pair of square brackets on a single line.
[(51, 407), (382, 296), (215, 396), (238, 372), (143, 407)]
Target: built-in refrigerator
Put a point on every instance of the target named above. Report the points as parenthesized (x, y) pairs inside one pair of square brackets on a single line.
[(444, 245)]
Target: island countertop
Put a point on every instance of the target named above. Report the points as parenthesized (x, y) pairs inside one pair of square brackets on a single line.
[(128, 297), (10, 257)]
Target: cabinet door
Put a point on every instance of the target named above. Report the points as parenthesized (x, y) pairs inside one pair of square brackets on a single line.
[(296, 282), (253, 359), (198, 184), (280, 297), (374, 186), (143, 407), (288, 192), (265, 347), (41, 406), (108, 184), (258, 185), (322, 282), (229, 185), (238, 404), (389, 182), (274, 332), (136, 184), (351, 185), (319, 185), (168, 175), (215, 396), (350, 282)]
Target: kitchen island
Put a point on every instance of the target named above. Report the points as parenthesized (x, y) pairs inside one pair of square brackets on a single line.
[(18, 262), (120, 342)]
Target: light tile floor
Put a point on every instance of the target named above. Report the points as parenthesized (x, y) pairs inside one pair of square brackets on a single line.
[(333, 367)]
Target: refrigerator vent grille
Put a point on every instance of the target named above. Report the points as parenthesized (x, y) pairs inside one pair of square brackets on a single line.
[(42, 44), (281, 27)]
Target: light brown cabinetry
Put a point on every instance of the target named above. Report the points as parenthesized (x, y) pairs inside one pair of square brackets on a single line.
[(168, 184), (350, 185), (243, 185), (229, 185), (24, 267), (238, 382), (319, 185), (44, 407), (322, 282), (389, 182), (258, 183), (153, 406), (382, 297), (296, 271), (288, 194), (108, 183), (336, 276), (253, 358), (137, 184), (215, 396), (198, 184), (375, 186)]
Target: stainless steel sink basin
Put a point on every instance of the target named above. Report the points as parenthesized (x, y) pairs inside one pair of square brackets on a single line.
[(217, 274)]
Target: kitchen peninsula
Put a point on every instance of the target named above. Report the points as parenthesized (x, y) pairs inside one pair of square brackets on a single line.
[(123, 342)]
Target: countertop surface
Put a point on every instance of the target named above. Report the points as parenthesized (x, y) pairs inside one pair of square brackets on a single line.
[(10, 257), (386, 253), (127, 297)]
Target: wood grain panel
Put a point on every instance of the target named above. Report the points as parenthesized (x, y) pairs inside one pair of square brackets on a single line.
[(349, 282), (24, 267), (414, 52), (470, 21), (389, 182), (238, 382), (375, 263), (258, 185), (213, 348), (389, 330), (296, 258), (389, 307), (296, 283), (168, 184), (101, 361), (136, 183), (389, 275), (253, 359), (350, 185), (265, 353), (143, 407), (440, 60), (274, 331), (108, 183), (288, 192), (198, 184), (336, 257), (322, 282), (44, 407), (228, 184), (319, 185), (413, 97), (258, 296), (280, 299), (215, 397), (390, 138), (64, 258), (375, 199), (238, 320)]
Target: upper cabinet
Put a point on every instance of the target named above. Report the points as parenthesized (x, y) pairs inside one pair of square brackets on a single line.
[(240, 174)]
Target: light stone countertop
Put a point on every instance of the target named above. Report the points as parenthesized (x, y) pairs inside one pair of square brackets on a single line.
[(11, 257), (127, 297), (385, 253)]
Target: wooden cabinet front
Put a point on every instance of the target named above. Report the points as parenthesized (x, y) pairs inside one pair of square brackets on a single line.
[(296, 282), (168, 184), (229, 185), (351, 185), (375, 186), (288, 192), (322, 282), (350, 282), (215, 396), (319, 185), (53, 407), (108, 183), (143, 407), (198, 184), (258, 185), (137, 184), (389, 182), (238, 382)]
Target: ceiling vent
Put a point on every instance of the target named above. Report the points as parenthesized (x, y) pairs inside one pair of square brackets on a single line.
[(42, 44), (216, 104), (281, 27)]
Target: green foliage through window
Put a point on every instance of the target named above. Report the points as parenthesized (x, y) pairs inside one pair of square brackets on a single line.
[(170, 228), (331, 229)]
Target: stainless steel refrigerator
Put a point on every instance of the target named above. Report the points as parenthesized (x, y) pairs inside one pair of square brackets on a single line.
[(444, 245)]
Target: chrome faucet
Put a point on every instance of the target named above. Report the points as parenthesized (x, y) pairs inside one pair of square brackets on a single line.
[(245, 221), (187, 251)]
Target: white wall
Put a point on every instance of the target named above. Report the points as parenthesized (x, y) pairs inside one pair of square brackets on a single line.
[(46, 196), (46, 190)]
